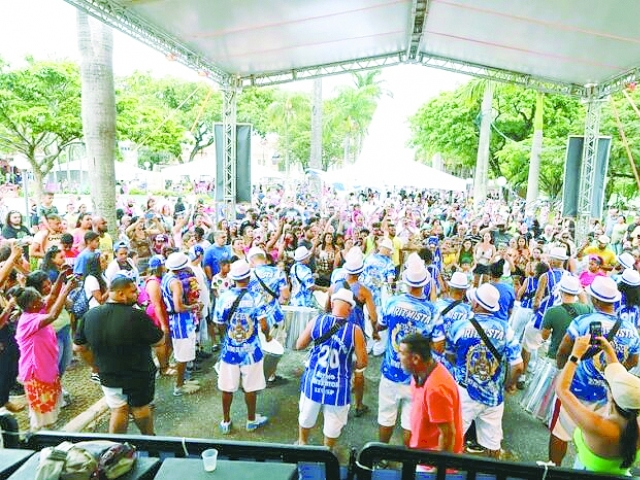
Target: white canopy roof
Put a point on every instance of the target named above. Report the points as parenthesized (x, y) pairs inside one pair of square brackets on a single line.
[(124, 171), (545, 44)]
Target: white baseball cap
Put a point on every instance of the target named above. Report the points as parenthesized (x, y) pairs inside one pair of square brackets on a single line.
[(625, 387), (604, 239)]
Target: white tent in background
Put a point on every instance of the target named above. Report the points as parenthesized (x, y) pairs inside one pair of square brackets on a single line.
[(124, 171), (394, 174)]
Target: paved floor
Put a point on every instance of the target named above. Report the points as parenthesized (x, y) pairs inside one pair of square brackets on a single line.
[(198, 415)]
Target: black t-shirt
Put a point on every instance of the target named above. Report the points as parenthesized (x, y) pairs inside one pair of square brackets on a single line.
[(9, 231), (120, 338)]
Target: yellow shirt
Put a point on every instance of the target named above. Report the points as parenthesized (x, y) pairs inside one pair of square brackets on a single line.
[(608, 257), (106, 246)]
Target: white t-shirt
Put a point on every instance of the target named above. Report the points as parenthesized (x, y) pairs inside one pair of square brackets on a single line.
[(91, 284)]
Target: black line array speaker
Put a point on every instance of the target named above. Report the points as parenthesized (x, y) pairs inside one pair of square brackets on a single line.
[(572, 171), (243, 163)]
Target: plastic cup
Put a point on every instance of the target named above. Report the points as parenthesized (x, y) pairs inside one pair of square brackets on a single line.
[(210, 459)]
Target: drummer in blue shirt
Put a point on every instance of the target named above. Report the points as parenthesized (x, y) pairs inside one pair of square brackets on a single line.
[(302, 280), (507, 294)]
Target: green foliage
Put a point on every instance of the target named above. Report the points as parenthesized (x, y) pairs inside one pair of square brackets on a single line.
[(39, 111), (449, 125)]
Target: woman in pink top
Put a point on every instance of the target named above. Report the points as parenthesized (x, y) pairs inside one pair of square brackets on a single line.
[(38, 367), (156, 309)]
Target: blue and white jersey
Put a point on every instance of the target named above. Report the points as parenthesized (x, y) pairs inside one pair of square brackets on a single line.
[(181, 324), (631, 314), (551, 295), (377, 269), (506, 301), (475, 368), (357, 312), (588, 383), (530, 287), (301, 282), (434, 271), (241, 344), (327, 378), (461, 311), (275, 280), (402, 315)]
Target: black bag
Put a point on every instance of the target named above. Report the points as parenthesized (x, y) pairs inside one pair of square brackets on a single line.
[(494, 351), (10, 432)]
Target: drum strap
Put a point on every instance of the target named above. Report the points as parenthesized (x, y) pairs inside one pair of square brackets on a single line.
[(265, 286), (450, 307), (486, 339), (609, 336), (328, 334), (235, 304)]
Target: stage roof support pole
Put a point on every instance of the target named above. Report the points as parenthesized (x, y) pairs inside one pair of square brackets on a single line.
[(588, 170), (229, 114)]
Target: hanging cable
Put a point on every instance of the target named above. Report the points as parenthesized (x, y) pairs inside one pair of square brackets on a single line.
[(204, 104), (167, 118), (625, 142)]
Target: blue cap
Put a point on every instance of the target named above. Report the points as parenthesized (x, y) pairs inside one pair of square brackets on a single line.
[(195, 252), (156, 261)]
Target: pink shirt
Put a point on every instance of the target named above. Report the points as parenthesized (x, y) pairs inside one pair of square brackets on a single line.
[(38, 349)]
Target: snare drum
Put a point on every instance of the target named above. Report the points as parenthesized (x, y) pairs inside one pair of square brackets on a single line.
[(540, 395), (295, 321)]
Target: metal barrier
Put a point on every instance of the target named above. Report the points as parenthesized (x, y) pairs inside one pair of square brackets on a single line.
[(448, 466), (163, 447)]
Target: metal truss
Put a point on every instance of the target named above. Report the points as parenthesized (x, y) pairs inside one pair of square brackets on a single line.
[(229, 112), (125, 20), (589, 158), (419, 10), (504, 76), (618, 83), (286, 76)]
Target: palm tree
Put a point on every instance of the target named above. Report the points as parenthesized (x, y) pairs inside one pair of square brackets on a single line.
[(285, 110), (95, 41), (315, 160)]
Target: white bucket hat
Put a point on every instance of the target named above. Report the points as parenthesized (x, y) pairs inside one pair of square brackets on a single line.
[(570, 285), (344, 295), (176, 261), (604, 240), (604, 289), (459, 280), (386, 243), (301, 254), (240, 270), (626, 260), (487, 296), (558, 253), (631, 277)]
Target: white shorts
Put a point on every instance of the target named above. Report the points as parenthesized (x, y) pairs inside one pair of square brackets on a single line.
[(488, 420), (184, 349), (335, 418), (252, 377), (532, 339), (392, 396), (562, 425)]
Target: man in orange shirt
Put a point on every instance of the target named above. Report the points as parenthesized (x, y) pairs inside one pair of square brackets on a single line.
[(436, 412)]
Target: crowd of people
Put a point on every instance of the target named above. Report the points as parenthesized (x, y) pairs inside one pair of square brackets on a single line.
[(464, 303)]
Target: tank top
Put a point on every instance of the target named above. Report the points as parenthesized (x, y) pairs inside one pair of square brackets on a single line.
[(551, 295), (531, 285), (595, 463), (327, 379)]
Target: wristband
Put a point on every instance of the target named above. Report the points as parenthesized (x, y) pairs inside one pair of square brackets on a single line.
[(574, 359)]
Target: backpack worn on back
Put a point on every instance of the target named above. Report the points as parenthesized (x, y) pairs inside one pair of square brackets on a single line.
[(79, 302)]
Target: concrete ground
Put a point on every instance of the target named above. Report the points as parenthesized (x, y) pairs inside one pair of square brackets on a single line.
[(198, 415)]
